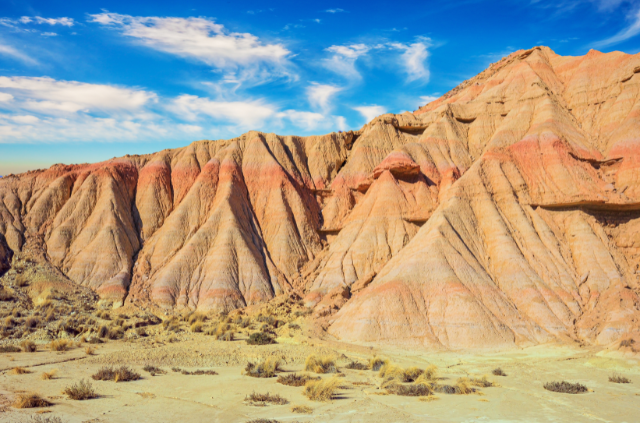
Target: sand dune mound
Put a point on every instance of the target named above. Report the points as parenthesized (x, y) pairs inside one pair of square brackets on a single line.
[(507, 212)]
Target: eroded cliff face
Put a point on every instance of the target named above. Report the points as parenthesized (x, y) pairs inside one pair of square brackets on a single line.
[(505, 213)]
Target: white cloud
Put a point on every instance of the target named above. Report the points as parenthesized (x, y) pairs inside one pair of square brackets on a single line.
[(4, 97), (191, 129), (310, 121), (319, 95), (12, 52), (336, 10), (414, 59), (370, 112), (344, 59), (49, 95), (201, 39), (48, 34), (426, 99), (246, 114), (630, 31), (52, 21), (28, 119)]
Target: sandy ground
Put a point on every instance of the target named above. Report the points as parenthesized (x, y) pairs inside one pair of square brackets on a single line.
[(174, 397)]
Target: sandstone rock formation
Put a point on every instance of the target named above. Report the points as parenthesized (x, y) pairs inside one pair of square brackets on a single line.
[(507, 212)]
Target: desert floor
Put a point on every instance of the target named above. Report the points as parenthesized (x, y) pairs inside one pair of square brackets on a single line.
[(174, 397)]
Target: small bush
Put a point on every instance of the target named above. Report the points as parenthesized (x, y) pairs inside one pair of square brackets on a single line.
[(266, 368), (199, 372), (321, 390), (295, 379), (90, 351), (462, 386), (260, 338), (413, 390), (196, 318), (301, 409), (49, 375), (566, 387), (60, 345), (320, 364), (9, 349), (121, 374), (196, 327), (498, 372), (627, 342), (30, 401), (354, 365), (266, 319), (616, 378), (376, 363), (19, 371), (103, 331), (266, 399), (227, 336), (28, 346), (153, 370), (116, 332), (482, 382), (80, 391)]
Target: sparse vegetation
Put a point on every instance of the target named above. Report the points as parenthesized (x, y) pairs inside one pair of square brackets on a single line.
[(616, 378), (199, 372), (498, 372), (9, 349), (260, 338), (30, 400), (196, 327), (295, 379), (320, 364), (28, 346), (90, 351), (61, 345), (627, 342), (45, 419), (376, 363), (565, 387), (153, 370), (301, 409), (267, 398), (121, 374), (410, 390), (80, 391), (49, 375), (322, 390), (482, 382), (355, 365), (19, 371), (267, 368)]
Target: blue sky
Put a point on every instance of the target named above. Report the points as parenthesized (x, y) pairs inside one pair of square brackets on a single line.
[(83, 81)]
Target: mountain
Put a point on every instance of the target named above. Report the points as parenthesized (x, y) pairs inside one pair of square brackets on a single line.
[(507, 212)]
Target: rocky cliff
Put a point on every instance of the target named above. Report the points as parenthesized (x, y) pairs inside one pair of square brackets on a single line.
[(507, 212)]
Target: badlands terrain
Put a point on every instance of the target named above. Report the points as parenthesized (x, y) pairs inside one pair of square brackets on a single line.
[(497, 227)]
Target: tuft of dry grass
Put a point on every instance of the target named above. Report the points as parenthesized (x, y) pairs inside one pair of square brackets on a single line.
[(260, 338), (320, 364), (412, 390), (90, 351), (121, 374), (498, 372), (263, 399), (80, 391), (49, 375), (30, 400), (463, 387), (355, 365), (199, 372), (565, 387), (196, 327), (376, 363), (9, 349), (61, 345), (153, 370), (322, 390), (28, 346), (482, 382), (227, 336), (295, 379), (267, 368), (19, 371), (616, 378), (302, 409)]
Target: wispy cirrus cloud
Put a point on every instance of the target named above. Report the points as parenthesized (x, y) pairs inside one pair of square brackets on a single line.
[(343, 59), (631, 30), (414, 59), (69, 22), (370, 112), (320, 95), (336, 10), (7, 50)]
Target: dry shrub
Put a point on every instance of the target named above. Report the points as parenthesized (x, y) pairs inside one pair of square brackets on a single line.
[(322, 390), (116, 332), (31, 322), (566, 387), (302, 409), (121, 374), (320, 364), (260, 338), (267, 368), (196, 318), (49, 375), (462, 386), (262, 421), (19, 371), (90, 351), (153, 370), (482, 382), (80, 391), (295, 379), (103, 331), (61, 345), (9, 349), (267, 398), (199, 372), (498, 372), (616, 378), (376, 363), (355, 365), (627, 342), (227, 336), (28, 346), (412, 390), (196, 327), (30, 400)]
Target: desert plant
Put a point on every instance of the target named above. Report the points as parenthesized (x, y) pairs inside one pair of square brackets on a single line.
[(90, 351), (49, 375), (498, 372), (301, 409), (80, 391), (267, 368), (321, 390), (355, 365), (320, 364), (116, 332), (196, 327), (103, 331), (60, 345), (9, 349), (121, 374), (19, 371), (28, 346), (295, 379), (199, 372), (266, 399), (482, 382), (31, 322), (196, 318), (153, 370), (412, 390), (616, 378), (30, 400), (565, 387), (376, 363), (260, 338), (627, 342)]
